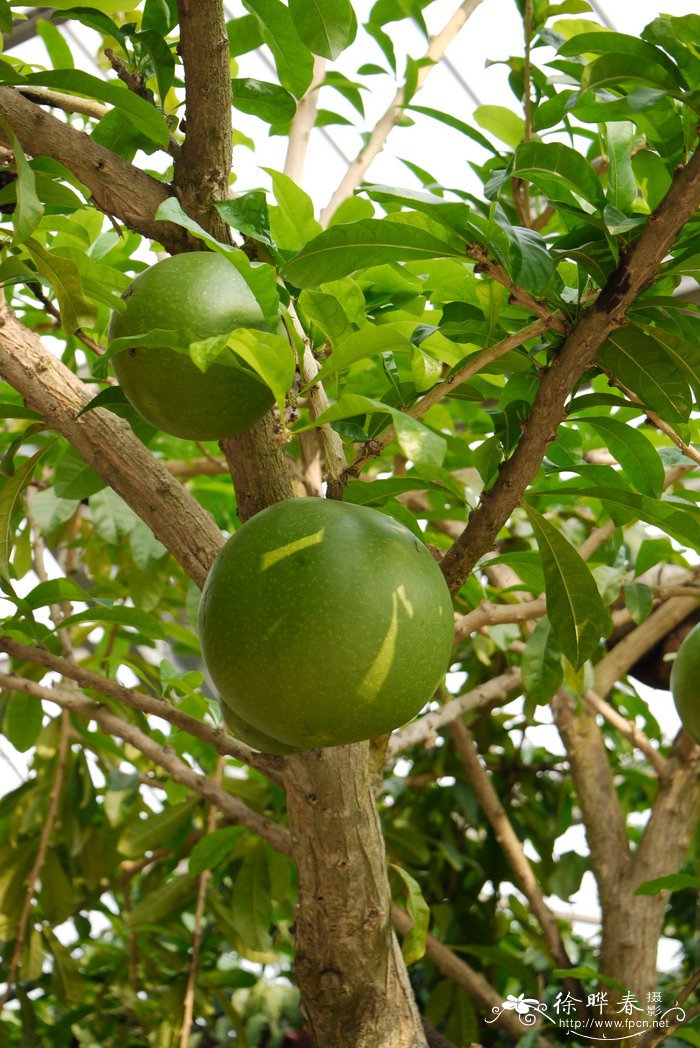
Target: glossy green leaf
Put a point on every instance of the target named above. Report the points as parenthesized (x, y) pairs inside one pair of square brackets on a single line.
[(55, 591), (269, 102), (293, 59), (270, 356), (123, 616), (612, 70), (672, 882), (639, 601), (369, 341), (619, 138), (158, 905), (74, 479), (29, 209), (292, 222), (574, 606), (669, 517), (506, 125), (639, 362), (327, 27), (64, 277), (559, 171), (341, 250), (9, 494), (638, 457), (67, 982), (248, 213), (413, 945)]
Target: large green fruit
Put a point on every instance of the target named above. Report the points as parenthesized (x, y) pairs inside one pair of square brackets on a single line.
[(685, 683), (199, 292), (323, 623)]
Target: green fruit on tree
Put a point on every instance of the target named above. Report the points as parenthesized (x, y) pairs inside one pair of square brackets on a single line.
[(685, 683), (324, 623), (202, 293), (257, 739)]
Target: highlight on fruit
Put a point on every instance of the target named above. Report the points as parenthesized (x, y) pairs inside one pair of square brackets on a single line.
[(202, 293), (323, 623)]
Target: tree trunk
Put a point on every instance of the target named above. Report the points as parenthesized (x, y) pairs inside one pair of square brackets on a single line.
[(352, 978)]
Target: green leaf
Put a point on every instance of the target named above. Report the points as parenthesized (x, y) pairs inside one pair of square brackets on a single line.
[(413, 945), (64, 277), (639, 601), (327, 312), (295, 64), (642, 366), (618, 44), (164, 828), (142, 114), (638, 457), (29, 210), (574, 606), (269, 102), (541, 664), (454, 122), (672, 882), (54, 591), (418, 443), (501, 122), (678, 523), (341, 250), (529, 261), (58, 50), (67, 983), (292, 222), (22, 721), (260, 278), (252, 902), (270, 356), (327, 27), (367, 342), (111, 516), (619, 138), (559, 171), (74, 479), (248, 214), (161, 903), (611, 70), (213, 849), (112, 395), (138, 620), (9, 493), (426, 370)]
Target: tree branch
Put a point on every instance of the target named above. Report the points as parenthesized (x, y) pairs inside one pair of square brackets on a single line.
[(217, 738), (419, 731), (629, 729), (117, 187), (576, 355), (302, 124), (68, 103), (506, 837), (203, 167), (358, 168), (107, 443), (35, 872), (163, 756)]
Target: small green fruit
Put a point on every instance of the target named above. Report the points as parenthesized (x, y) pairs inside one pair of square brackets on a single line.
[(251, 736), (200, 292), (324, 623), (685, 683)]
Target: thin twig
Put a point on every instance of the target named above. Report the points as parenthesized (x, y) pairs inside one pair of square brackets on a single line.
[(506, 837), (419, 731), (358, 168), (661, 424), (68, 103), (35, 872), (164, 756), (629, 729), (473, 365), (555, 320), (217, 738), (203, 883)]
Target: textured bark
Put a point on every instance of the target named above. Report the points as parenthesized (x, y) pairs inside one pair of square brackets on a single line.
[(353, 981), (117, 187), (203, 167), (259, 468), (107, 443)]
